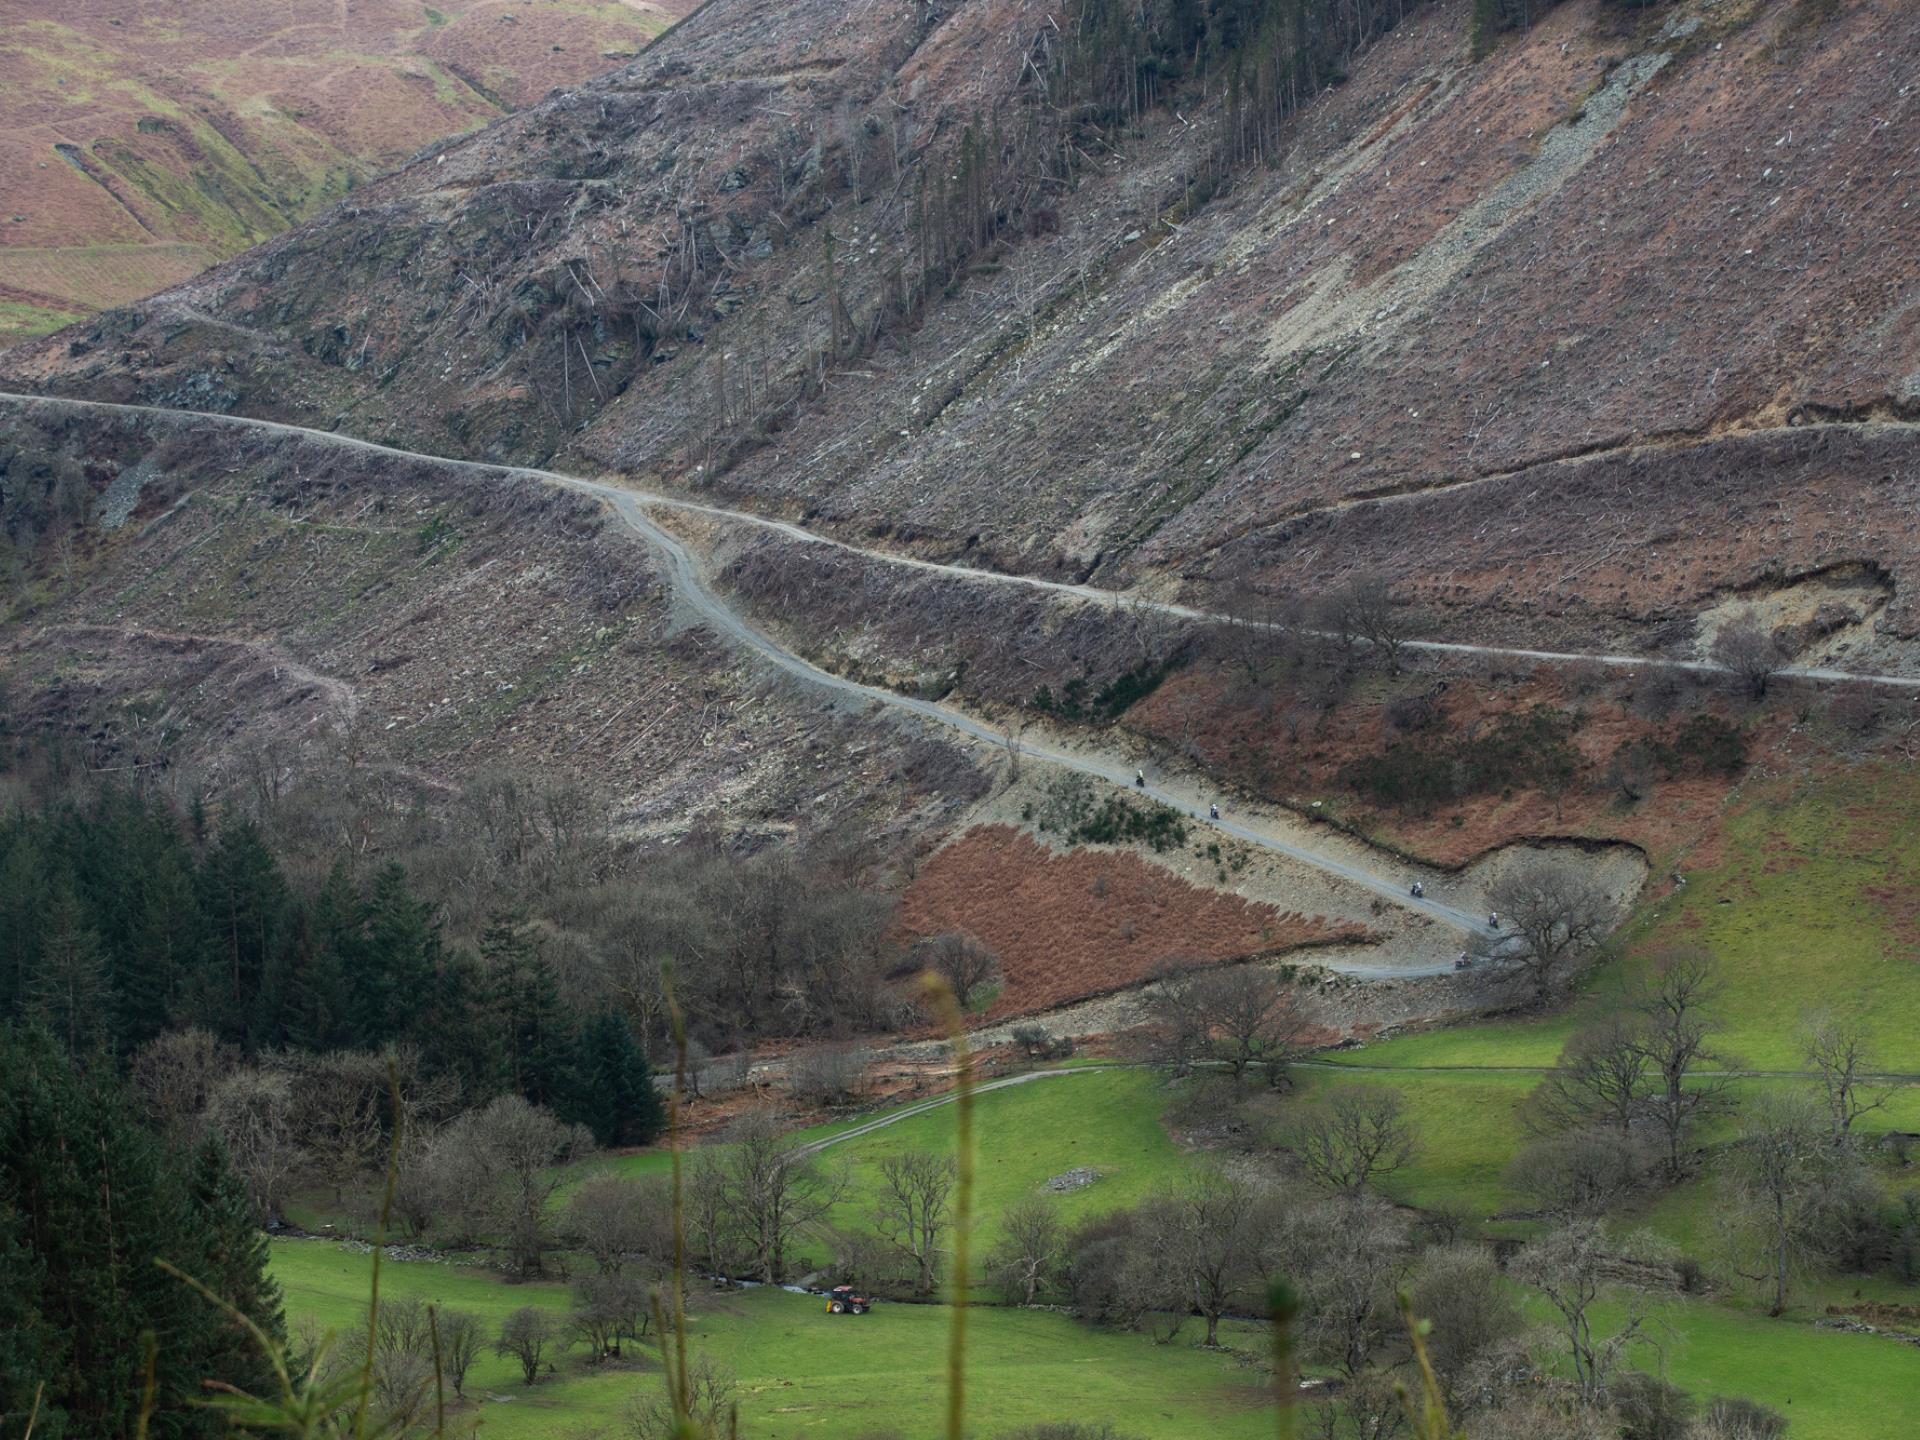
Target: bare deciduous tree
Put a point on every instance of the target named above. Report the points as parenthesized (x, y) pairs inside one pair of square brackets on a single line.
[(608, 1309), (1788, 1192), (915, 1186), (1557, 915), (1672, 1010), (526, 1335), (1205, 1232), (1239, 1016), (829, 1074), (1597, 1081), (614, 1218), (1837, 1048), (1569, 1267), (962, 961), (460, 1341), (1459, 1289), (174, 1075), (773, 1191), (252, 1112), (1353, 1254), (712, 1394), (1580, 1174), (521, 1148), (1031, 1248), (1359, 1134), (1749, 652)]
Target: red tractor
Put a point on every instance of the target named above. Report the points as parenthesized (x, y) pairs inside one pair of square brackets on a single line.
[(845, 1300)]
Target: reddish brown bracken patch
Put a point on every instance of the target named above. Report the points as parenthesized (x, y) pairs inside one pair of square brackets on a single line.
[(1087, 922), (1290, 759)]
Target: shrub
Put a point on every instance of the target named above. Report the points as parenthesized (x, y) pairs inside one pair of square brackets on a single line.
[(1531, 747), (1651, 1408), (1734, 1417)]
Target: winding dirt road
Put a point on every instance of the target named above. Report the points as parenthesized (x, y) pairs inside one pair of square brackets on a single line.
[(693, 589)]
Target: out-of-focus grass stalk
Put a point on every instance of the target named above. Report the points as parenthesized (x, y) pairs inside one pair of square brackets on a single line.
[(677, 1370), (379, 1248), (947, 1010), (1283, 1308), (1429, 1415)]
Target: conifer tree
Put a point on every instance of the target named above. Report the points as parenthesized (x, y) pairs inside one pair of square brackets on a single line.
[(613, 1091), (523, 995), (67, 992), (88, 1202), (246, 905)]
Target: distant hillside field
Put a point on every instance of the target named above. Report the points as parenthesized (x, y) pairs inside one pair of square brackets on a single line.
[(139, 145)]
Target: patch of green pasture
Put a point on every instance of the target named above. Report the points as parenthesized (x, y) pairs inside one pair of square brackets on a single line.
[(805, 1374), (1106, 1120), (27, 322), (1830, 1385)]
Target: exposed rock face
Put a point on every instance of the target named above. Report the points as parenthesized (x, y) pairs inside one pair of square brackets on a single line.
[(1578, 336)]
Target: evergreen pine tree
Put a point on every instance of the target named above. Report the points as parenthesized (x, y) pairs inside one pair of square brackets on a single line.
[(162, 951), (613, 1092), (23, 904), (88, 1202), (67, 991), (245, 902), (235, 1266), (402, 958), (329, 954), (524, 999)]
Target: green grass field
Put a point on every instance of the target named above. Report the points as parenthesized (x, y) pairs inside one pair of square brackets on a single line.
[(805, 1374), (1798, 912)]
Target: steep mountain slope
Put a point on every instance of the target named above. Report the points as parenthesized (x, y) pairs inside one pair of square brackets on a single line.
[(1637, 283), (137, 147)]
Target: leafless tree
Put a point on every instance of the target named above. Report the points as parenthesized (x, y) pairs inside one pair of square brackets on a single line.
[(1836, 1047), (527, 1335), (1557, 915), (911, 1209), (522, 1148), (1749, 652), (1239, 1017), (774, 1191), (1356, 1136), (705, 1207), (1788, 1192), (962, 961), (828, 1074), (1205, 1230), (1579, 1174), (252, 1112), (614, 1218), (460, 1341), (1735, 1418), (1032, 1245), (403, 1359), (1672, 1020), (1460, 1291), (609, 1309), (711, 1397), (174, 1076), (1367, 1407), (1597, 1081), (1631, 771), (1353, 1252), (1569, 1266)]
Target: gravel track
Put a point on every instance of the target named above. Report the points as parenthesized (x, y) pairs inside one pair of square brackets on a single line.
[(691, 586)]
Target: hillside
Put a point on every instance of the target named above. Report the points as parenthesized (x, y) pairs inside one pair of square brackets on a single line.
[(1447, 288), (137, 147)]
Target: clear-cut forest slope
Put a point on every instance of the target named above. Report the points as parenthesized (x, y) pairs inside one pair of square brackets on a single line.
[(1572, 341), (139, 143)]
